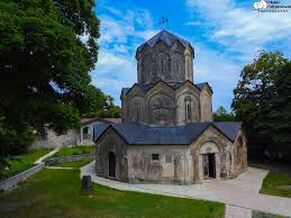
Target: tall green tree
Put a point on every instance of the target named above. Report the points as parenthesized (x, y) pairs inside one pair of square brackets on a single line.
[(262, 101), (221, 115), (47, 49), (280, 115), (109, 110)]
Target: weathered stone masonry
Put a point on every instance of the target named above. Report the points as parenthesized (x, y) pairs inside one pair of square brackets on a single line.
[(167, 134)]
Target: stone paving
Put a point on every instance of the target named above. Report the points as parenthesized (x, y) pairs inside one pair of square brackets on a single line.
[(237, 212), (240, 195)]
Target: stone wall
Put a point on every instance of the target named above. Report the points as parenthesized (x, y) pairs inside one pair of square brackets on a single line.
[(212, 141), (161, 62), (165, 106), (206, 105), (51, 140), (229, 163), (79, 136), (240, 153), (111, 142), (173, 164), (68, 158), (11, 183)]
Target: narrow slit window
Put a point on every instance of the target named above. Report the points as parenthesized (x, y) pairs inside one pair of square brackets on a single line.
[(155, 157), (188, 108)]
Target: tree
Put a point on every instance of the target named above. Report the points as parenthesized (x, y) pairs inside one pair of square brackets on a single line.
[(262, 100), (280, 114), (109, 110), (45, 64), (222, 115)]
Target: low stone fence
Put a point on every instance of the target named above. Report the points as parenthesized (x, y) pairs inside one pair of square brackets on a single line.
[(70, 158), (11, 183)]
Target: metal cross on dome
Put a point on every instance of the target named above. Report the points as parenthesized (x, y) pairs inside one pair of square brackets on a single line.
[(163, 22)]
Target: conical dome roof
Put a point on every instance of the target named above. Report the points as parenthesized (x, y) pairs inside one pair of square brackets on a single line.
[(167, 37)]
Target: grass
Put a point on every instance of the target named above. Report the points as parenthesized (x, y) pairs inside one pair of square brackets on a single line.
[(259, 214), (277, 184), (76, 164), (22, 162), (56, 193), (75, 150)]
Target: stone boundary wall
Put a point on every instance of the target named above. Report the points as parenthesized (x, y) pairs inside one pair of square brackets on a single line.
[(70, 158), (11, 183)]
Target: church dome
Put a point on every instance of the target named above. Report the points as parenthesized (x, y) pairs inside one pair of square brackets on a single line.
[(165, 57), (166, 37)]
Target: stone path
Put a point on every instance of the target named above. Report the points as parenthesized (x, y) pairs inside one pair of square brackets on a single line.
[(237, 212), (61, 168), (240, 195), (40, 160)]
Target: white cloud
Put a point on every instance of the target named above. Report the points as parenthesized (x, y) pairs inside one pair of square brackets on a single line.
[(242, 32), (241, 28), (219, 72), (120, 35), (112, 72)]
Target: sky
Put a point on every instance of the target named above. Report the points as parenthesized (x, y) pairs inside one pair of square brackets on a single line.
[(226, 35)]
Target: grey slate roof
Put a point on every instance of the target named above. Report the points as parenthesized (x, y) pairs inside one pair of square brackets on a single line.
[(167, 37), (138, 134), (146, 87)]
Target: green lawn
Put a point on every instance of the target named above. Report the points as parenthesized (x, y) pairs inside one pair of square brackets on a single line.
[(75, 150), (76, 164), (56, 193), (277, 184), (259, 214), (22, 162)]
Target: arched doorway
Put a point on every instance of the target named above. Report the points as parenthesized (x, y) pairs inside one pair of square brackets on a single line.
[(86, 133), (209, 169), (112, 164), (209, 161)]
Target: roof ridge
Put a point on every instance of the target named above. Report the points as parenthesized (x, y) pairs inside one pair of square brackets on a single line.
[(167, 37), (150, 86)]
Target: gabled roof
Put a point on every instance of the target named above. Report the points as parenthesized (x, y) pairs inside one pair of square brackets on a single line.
[(166, 37), (202, 85), (138, 134), (145, 87)]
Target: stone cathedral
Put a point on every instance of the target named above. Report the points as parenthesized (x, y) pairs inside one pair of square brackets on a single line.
[(167, 134)]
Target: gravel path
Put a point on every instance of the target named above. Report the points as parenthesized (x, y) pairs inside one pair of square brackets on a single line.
[(240, 195)]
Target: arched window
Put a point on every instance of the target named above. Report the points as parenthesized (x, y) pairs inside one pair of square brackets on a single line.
[(136, 109), (86, 133), (163, 65), (188, 108), (162, 62), (178, 65), (86, 130), (137, 112), (148, 74)]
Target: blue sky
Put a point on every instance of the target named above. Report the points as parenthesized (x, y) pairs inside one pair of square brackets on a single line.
[(226, 35)]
